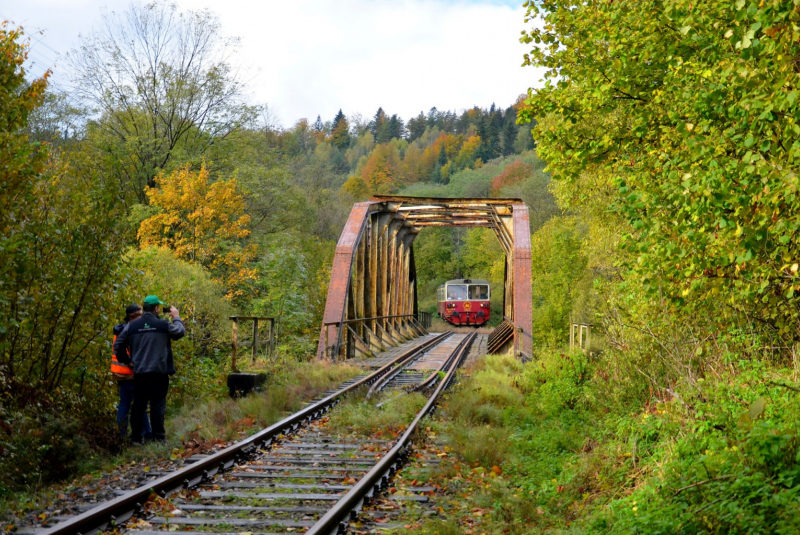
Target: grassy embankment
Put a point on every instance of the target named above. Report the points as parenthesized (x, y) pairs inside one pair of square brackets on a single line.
[(552, 447)]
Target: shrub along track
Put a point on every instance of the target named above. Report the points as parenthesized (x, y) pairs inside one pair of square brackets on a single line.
[(291, 476)]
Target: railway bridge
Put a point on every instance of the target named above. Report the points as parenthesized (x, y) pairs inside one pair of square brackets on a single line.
[(372, 296)]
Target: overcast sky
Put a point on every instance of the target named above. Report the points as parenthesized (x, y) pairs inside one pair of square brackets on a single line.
[(312, 57)]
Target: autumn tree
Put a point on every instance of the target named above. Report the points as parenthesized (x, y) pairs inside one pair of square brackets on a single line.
[(687, 112), (468, 152), (203, 222), (514, 173), (60, 250), (340, 132), (22, 162), (161, 84), (382, 172)]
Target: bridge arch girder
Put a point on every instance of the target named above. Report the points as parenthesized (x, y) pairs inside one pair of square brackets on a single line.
[(374, 273)]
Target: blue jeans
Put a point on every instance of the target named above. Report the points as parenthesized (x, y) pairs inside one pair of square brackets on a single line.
[(124, 410)]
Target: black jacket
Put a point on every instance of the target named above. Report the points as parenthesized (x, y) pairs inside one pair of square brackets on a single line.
[(149, 339), (119, 328)]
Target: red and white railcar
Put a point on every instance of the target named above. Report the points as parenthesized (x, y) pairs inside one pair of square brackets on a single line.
[(464, 302)]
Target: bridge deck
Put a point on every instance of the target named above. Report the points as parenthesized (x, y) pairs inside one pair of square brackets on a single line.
[(431, 359), (435, 357), (385, 356)]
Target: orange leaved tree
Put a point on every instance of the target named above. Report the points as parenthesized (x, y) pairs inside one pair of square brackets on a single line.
[(515, 172), (203, 222)]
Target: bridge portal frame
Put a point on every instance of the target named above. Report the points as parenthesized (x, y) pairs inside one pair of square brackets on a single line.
[(374, 275)]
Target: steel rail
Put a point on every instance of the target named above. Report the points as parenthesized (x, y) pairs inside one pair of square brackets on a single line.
[(120, 509), (335, 520), (426, 383), (387, 377)]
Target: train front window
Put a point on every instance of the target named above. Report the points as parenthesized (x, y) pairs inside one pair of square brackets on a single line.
[(479, 291), (456, 292)]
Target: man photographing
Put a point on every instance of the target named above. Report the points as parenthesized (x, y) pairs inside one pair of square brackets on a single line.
[(149, 340)]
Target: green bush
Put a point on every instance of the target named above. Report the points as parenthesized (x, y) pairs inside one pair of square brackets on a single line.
[(733, 465), (201, 355), (560, 380)]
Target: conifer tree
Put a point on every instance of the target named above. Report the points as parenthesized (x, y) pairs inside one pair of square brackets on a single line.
[(377, 122), (509, 132), (433, 117), (391, 129), (318, 126), (340, 132), (483, 132), (494, 128), (416, 126)]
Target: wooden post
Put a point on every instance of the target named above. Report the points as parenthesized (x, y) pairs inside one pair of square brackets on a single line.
[(588, 336), (571, 335), (255, 339), (271, 336), (235, 333)]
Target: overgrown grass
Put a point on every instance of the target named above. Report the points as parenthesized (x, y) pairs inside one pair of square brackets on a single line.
[(545, 448), (289, 385), (363, 417)]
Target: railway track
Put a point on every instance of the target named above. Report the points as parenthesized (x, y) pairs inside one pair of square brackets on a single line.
[(294, 476)]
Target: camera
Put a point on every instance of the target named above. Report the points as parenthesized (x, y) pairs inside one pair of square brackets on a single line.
[(165, 309)]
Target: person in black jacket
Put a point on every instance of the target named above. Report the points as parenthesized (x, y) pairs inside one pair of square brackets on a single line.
[(149, 339), (123, 374)]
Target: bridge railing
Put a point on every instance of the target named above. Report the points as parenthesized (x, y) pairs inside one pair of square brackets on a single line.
[(366, 336)]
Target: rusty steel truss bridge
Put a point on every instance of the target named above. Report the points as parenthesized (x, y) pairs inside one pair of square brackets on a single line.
[(372, 297)]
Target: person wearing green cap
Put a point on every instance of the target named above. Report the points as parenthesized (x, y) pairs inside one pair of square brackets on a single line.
[(146, 342)]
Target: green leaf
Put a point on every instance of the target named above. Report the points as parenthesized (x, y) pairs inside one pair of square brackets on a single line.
[(757, 409)]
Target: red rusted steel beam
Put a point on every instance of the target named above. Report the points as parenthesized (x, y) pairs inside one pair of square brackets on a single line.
[(444, 200), (336, 303), (523, 305)]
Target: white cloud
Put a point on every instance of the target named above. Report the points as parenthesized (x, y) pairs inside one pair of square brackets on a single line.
[(309, 57)]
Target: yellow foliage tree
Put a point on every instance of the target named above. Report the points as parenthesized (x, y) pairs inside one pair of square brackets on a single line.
[(468, 151), (203, 222), (383, 171), (356, 187)]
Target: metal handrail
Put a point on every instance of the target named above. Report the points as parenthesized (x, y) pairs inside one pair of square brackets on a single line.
[(346, 324)]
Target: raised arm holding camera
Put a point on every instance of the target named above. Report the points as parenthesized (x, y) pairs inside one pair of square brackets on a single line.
[(149, 339)]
